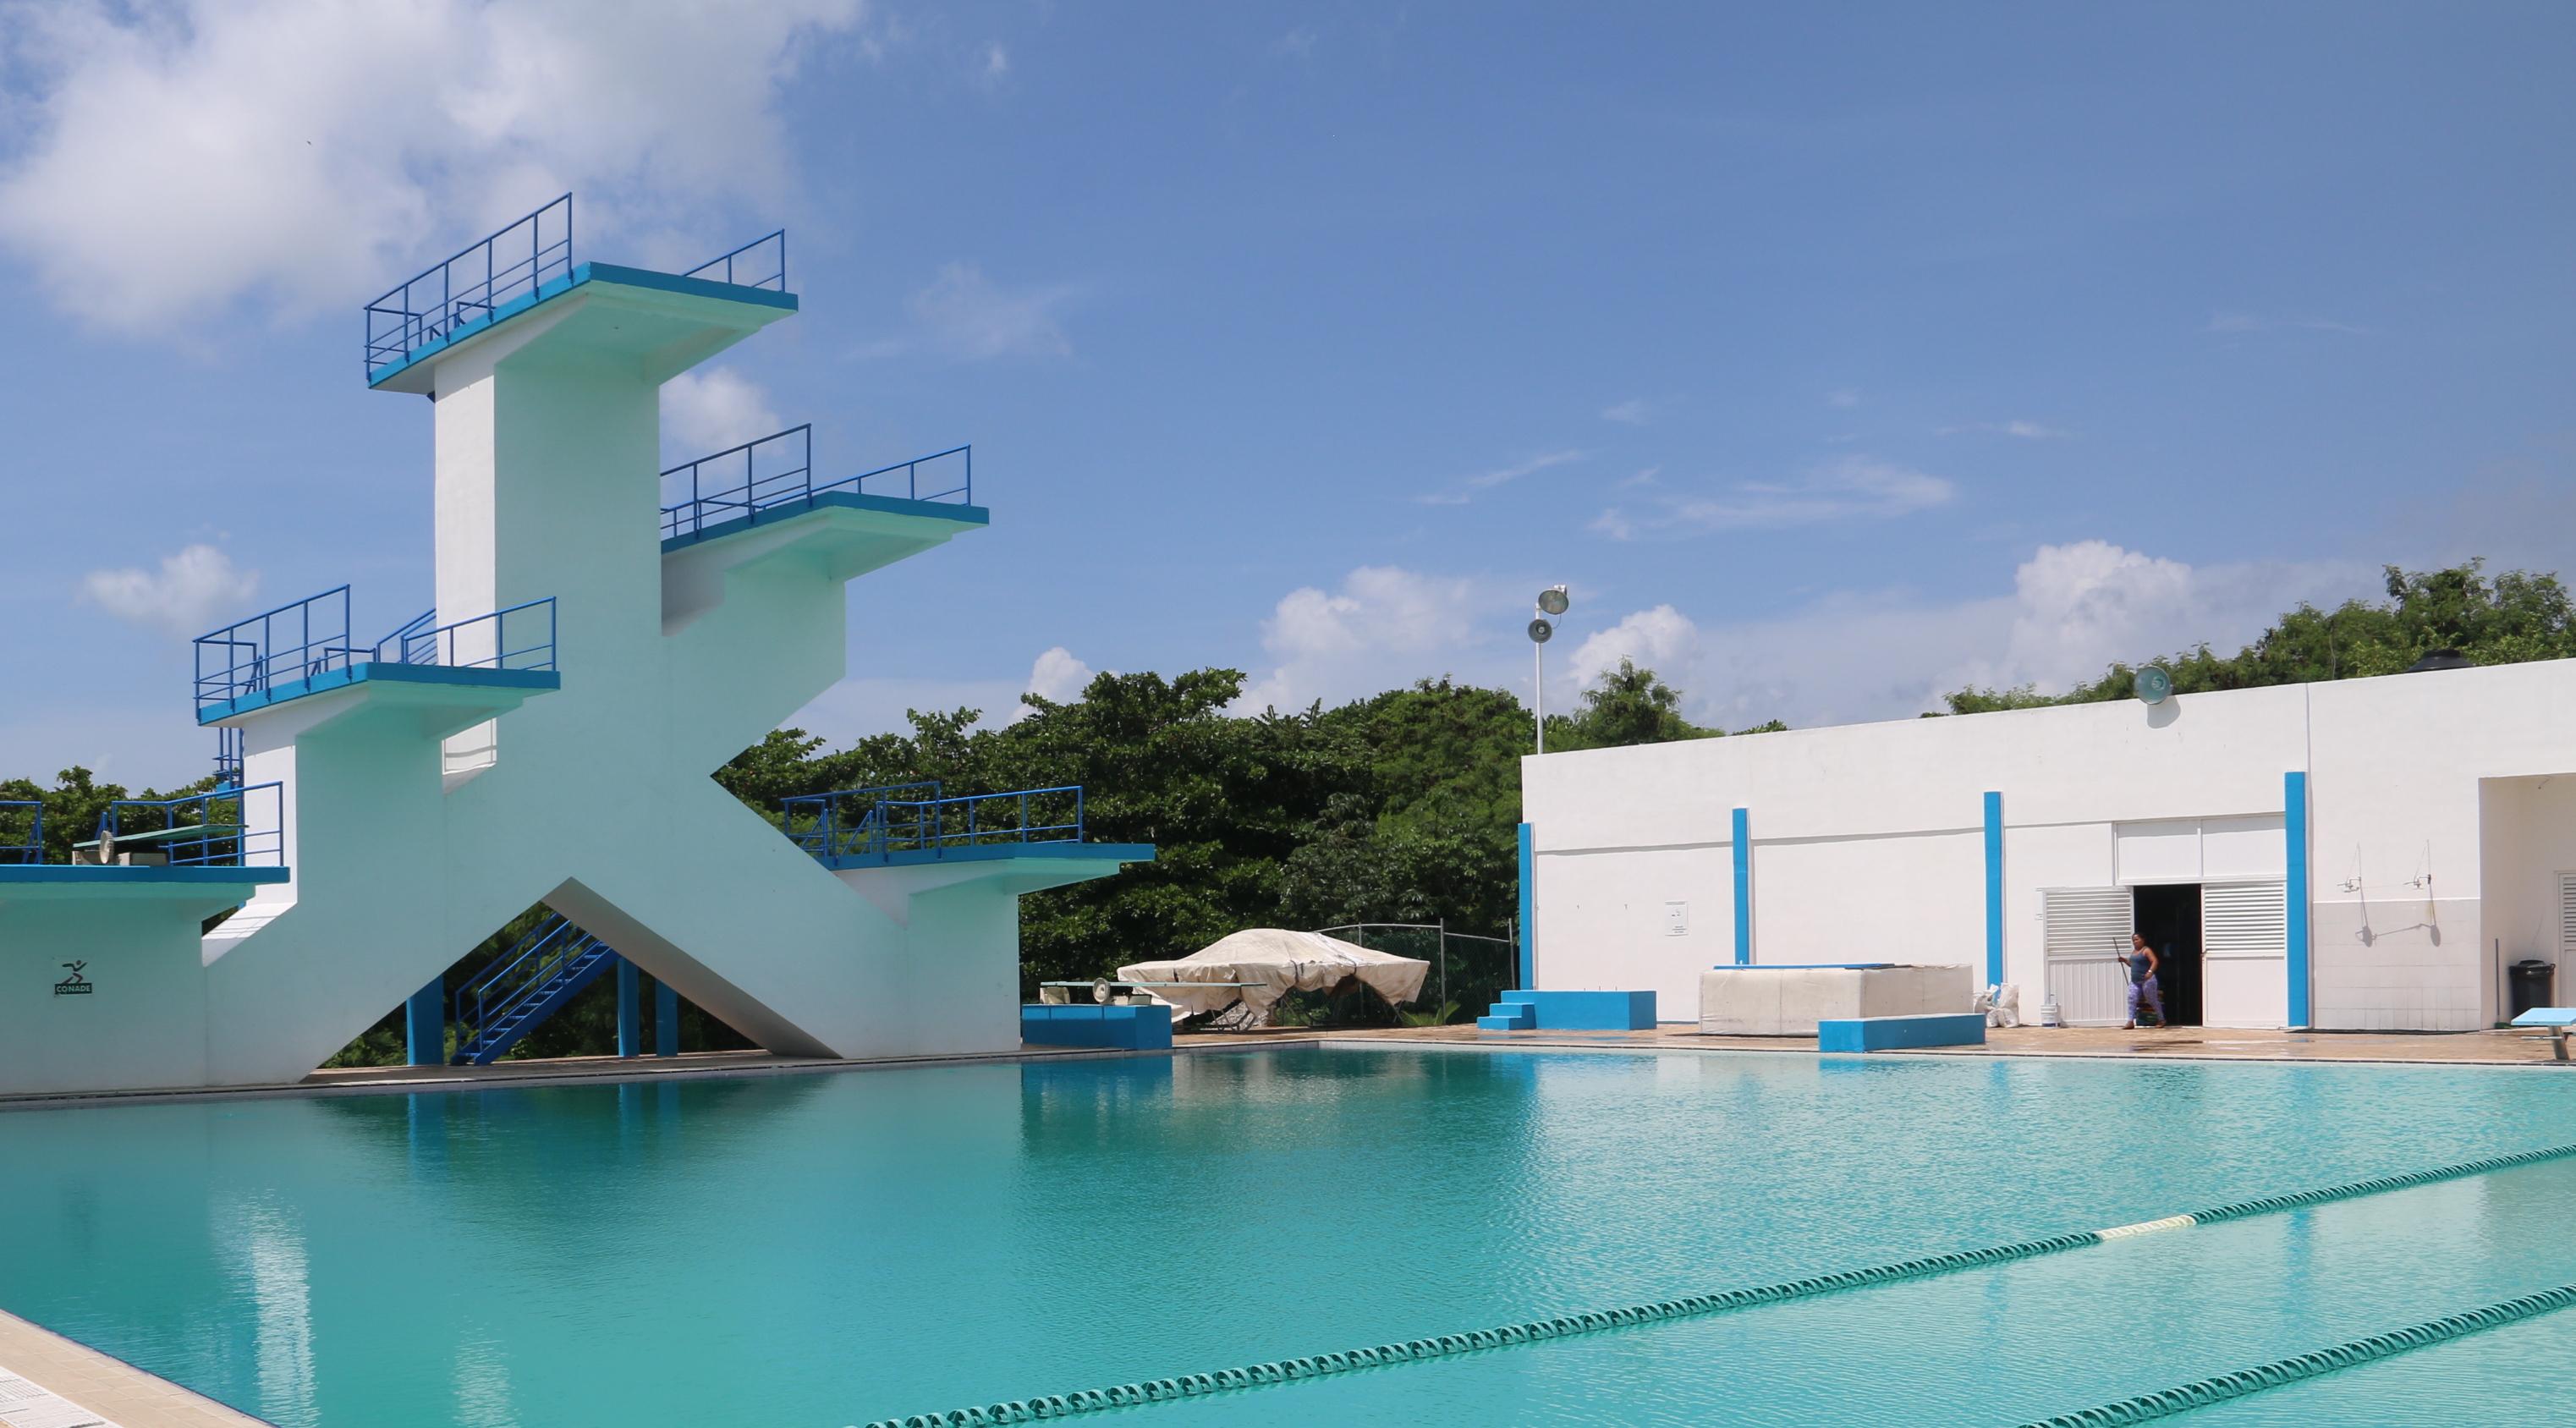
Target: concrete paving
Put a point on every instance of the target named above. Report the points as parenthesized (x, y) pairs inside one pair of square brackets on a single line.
[(48, 1381)]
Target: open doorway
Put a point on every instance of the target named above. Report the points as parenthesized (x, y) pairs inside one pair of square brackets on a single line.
[(2168, 916)]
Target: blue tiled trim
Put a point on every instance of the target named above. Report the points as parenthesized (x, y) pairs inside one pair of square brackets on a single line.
[(1994, 889), (2294, 832), (604, 272), (845, 500), (1743, 846), (1147, 1028), (1529, 901), (1583, 1011), (119, 875), (997, 852), (1896, 1033), (380, 672)]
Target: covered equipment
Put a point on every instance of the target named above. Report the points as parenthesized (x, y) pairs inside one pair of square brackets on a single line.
[(1248, 972)]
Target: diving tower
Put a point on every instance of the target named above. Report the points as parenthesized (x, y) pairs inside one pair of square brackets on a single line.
[(606, 634)]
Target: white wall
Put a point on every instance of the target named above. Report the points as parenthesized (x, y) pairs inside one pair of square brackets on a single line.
[(1613, 906), (1909, 898), (1865, 837), (2528, 831)]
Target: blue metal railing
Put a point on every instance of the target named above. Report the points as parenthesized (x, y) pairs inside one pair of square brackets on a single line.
[(311, 637), (22, 830), (862, 823), (775, 476), (829, 825), (549, 949), (472, 286), (739, 481), (519, 637), (225, 828), (228, 757), (411, 629), (293, 641), (760, 263)]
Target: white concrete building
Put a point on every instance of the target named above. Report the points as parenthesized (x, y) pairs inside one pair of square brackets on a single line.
[(2370, 854)]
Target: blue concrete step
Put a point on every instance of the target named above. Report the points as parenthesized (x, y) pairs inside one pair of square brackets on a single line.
[(1509, 1016)]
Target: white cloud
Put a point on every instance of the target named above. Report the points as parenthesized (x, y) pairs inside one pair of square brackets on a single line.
[(997, 66), (1632, 412), (1057, 677), (1645, 477), (1662, 639), (1386, 627), (711, 410), (1464, 489), (1854, 656), (173, 159), (1843, 397), (194, 591), (2025, 430), (1298, 43), (965, 316), (1851, 488)]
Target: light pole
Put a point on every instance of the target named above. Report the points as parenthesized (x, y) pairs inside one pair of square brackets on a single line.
[(1551, 601)]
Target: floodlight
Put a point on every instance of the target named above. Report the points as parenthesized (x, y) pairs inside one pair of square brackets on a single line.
[(1552, 601)]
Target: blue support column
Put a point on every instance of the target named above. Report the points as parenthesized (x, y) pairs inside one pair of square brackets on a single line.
[(1743, 845), (1529, 900), (2294, 831), (1994, 889), (666, 1019), (425, 1024), (630, 1009)]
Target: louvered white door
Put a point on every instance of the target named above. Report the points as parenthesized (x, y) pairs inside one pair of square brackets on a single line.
[(2566, 917), (2244, 954), (2087, 931)]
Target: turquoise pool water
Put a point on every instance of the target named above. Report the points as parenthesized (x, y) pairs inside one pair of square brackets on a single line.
[(830, 1250)]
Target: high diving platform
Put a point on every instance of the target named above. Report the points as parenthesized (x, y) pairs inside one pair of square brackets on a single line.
[(535, 751)]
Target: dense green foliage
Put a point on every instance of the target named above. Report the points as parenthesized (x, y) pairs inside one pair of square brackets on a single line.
[(2505, 619), (1397, 808)]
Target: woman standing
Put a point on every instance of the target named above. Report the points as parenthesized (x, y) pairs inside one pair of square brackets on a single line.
[(2141, 964)]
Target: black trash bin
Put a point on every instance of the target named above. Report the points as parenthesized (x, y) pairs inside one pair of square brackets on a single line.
[(2528, 984)]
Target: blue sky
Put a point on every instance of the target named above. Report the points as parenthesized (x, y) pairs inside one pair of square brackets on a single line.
[(1833, 355)]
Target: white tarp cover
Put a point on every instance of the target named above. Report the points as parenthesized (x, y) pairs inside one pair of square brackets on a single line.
[(1275, 962)]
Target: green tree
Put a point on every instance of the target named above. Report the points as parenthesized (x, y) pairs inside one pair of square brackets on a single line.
[(2506, 619)]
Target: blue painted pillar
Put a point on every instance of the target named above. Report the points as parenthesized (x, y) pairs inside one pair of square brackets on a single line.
[(1529, 900), (1743, 844), (425, 1024), (2294, 831), (630, 1009), (1994, 888), (666, 1019)]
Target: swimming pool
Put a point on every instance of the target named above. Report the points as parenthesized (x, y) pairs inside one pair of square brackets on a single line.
[(836, 1249)]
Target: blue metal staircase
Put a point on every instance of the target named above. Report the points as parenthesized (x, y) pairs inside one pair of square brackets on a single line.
[(525, 985)]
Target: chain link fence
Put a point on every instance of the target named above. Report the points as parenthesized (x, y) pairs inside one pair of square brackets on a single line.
[(1469, 971)]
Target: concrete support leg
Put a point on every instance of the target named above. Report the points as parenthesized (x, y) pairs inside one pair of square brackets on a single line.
[(630, 1009), (666, 1020), (425, 1024)]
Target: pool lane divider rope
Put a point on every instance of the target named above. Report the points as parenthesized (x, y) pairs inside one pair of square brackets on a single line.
[(2147, 1407), (1442, 1346)]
